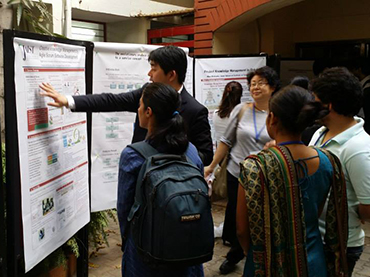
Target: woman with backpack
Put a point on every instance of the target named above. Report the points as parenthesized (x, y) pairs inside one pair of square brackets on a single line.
[(282, 193), (158, 113)]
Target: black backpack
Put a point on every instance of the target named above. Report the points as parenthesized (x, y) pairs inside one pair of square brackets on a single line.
[(171, 221)]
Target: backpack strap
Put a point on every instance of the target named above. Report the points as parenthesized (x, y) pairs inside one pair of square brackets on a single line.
[(144, 149)]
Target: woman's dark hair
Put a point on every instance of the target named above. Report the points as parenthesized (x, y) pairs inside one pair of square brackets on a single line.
[(169, 131), (230, 98), (300, 81), (269, 74), (340, 88), (296, 108)]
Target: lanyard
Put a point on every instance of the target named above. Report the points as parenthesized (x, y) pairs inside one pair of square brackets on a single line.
[(321, 135), (257, 133), (291, 142)]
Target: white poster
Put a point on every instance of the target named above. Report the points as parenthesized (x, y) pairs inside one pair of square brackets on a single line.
[(52, 147), (189, 76), (212, 75), (118, 68)]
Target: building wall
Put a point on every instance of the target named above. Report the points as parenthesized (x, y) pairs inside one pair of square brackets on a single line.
[(6, 16), (307, 21), (128, 31)]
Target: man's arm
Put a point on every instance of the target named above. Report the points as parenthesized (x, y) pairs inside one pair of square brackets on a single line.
[(358, 168), (105, 102)]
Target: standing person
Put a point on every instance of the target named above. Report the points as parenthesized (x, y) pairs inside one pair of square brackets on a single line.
[(244, 137), (230, 98), (279, 237), (344, 135), (158, 113), (168, 65)]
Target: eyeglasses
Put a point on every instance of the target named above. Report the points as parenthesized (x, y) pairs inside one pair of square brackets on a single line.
[(259, 84)]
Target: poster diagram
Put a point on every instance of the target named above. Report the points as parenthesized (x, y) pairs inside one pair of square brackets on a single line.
[(52, 146), (117, 68), (212, 74)]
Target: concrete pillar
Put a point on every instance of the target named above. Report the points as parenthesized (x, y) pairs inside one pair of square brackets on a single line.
[(6, 17)]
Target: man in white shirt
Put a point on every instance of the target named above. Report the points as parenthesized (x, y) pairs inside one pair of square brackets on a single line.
[(343, 134)]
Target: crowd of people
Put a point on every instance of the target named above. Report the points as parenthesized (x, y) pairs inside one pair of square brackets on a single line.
[(298, 172)]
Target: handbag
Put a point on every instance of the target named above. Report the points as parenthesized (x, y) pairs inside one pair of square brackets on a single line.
[(219, 184)]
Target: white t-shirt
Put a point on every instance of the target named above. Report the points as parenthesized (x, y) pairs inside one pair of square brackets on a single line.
[(249, 137), (352, 147), (219, 126)]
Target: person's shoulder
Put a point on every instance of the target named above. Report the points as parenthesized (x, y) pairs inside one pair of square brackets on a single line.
[(192, 153), (358, 143), (130, 156), (191, 101)]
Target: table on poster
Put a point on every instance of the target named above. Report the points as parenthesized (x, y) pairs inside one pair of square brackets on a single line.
[(52, 146)]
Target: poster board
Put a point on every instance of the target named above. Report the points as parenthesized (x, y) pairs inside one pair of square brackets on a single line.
[(53, 148), (117, 68), (290, 68), (211, 74)]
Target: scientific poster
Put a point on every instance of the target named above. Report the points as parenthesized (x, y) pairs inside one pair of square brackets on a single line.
[(212, 74), (117, 68), (52, 147)]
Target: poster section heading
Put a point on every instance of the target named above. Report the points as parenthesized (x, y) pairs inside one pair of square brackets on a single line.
[(212, 75), (52, 146)]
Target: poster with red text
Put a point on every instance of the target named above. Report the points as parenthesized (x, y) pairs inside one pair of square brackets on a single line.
[(52, 146)]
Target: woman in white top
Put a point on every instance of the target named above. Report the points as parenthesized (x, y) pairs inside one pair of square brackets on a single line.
[(244, 138), (230, 98)]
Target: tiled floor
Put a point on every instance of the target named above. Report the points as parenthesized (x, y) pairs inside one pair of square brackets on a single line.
[(107, 262)]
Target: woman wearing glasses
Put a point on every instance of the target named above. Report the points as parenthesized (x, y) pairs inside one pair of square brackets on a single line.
[(243, 137)]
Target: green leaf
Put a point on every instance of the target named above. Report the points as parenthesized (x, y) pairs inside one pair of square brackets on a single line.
[(29, 3), (19, 14), (14, 2)]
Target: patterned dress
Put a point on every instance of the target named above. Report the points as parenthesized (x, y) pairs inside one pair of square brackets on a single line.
[(283, 215)]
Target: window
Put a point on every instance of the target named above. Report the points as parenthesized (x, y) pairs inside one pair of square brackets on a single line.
[(90, 31)]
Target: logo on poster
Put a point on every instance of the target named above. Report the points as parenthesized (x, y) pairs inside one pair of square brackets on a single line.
[(27, 49)]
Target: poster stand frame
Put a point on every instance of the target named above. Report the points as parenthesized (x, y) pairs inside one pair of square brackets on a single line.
[(15, 255), (2, 219)]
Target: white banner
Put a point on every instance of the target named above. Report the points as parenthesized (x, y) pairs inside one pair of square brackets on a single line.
[(52, 147), (118, 68), (212, 74)]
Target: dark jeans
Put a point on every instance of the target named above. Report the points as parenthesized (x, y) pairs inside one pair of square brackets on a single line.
[(235, 254), (353, 254)]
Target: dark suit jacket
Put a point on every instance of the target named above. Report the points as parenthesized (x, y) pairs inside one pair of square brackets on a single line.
[(195, 116)]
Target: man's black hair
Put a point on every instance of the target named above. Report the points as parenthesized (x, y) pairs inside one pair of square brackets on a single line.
[(170, 58), (341, 88)]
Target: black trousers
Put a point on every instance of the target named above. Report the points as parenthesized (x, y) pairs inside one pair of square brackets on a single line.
[(235, 254)]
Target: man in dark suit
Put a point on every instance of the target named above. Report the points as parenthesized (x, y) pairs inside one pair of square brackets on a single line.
[(168, 65)]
